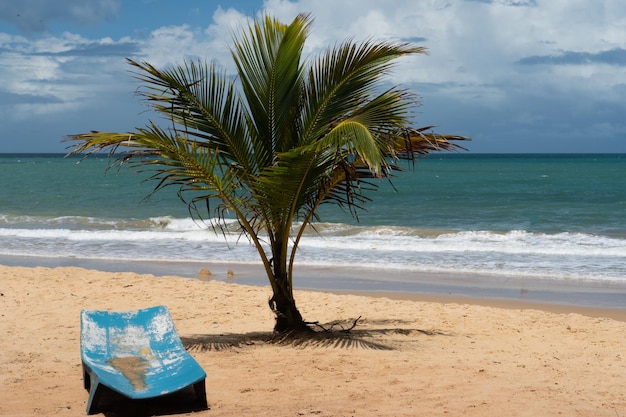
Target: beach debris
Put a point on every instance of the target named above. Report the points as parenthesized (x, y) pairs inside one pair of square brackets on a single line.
[(333, 325), (205, 274)]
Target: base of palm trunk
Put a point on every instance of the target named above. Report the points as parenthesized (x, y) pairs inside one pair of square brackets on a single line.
[(288, 318)]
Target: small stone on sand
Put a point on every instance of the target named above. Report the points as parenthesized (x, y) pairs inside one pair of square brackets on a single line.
[(204, 274)]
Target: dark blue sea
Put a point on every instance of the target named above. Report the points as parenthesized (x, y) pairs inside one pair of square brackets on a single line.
[(559, 219)]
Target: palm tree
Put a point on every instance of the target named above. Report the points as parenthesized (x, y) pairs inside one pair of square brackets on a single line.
[(274, 143)]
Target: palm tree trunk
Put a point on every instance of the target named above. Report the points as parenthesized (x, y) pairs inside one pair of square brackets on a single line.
[(288, 317)]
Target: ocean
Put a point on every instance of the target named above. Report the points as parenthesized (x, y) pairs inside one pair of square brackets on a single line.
[(506, 219)]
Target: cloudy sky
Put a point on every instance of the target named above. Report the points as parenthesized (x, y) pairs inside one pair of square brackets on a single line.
[(515, 75)]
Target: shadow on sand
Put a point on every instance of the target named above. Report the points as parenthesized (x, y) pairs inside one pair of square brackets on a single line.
[(375, 335), (112, 404), (331, 335)]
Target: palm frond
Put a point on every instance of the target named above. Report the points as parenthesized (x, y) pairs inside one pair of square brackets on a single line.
[(269, 68), (412, 142), (203, 102), (344, 79)]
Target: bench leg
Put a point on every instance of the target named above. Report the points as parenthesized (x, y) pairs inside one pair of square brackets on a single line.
[(200, 390), (86, 378), (95, 392)]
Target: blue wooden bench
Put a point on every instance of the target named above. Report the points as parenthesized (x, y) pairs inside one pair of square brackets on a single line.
[(137, 354)]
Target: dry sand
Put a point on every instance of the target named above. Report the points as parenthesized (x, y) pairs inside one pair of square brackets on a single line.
[(404, 358)]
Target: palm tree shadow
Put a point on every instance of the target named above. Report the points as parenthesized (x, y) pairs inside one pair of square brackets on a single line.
[(369, 339), (221, 342), (332, 335)]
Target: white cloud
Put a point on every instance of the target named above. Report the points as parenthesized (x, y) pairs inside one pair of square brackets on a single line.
[(170, 45), (56, 74), (497, 63)]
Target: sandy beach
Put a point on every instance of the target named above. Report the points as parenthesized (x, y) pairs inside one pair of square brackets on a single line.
[(407, 356)]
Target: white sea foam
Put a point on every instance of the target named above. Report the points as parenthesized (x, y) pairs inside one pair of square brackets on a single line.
[(514, 253)]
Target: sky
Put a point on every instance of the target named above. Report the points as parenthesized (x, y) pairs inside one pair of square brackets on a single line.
[(528, 76)]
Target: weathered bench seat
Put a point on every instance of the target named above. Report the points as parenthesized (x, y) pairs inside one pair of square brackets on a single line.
[(137, 354)]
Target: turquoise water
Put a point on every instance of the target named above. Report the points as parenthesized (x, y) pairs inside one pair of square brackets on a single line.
[(536, 193), (560, 218)]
